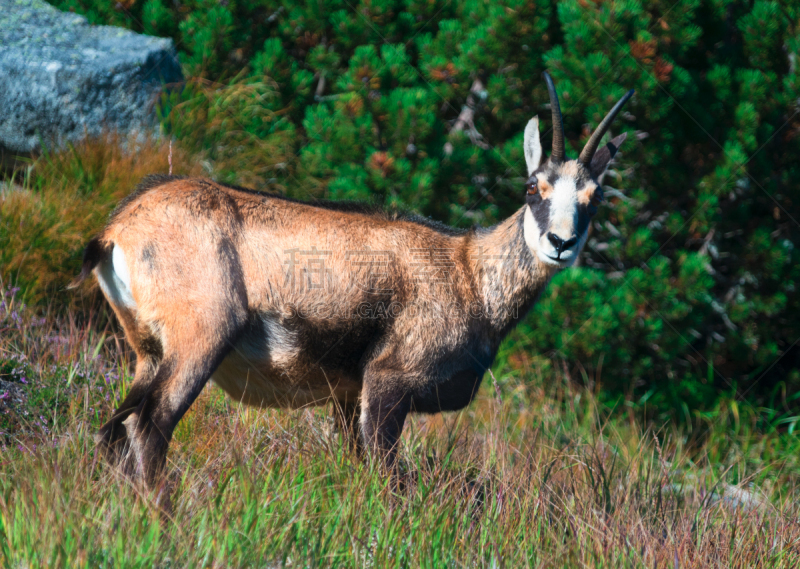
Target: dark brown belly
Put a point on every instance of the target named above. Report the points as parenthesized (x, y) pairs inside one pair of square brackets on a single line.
[(450, 395)]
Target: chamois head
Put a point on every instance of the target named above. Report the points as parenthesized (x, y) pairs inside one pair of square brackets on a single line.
[(563, 195)]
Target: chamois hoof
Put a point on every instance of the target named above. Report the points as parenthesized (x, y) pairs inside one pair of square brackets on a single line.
[(112, 440), (116, 447)]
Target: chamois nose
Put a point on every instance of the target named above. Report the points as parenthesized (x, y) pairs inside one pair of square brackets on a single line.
[(559, 243)]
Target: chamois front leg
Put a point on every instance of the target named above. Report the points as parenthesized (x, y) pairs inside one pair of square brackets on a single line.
[(384, 407)]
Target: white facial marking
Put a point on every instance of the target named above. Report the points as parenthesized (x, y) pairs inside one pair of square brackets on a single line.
[(564, 208), (530, 230), (562, 223), (115, 279)]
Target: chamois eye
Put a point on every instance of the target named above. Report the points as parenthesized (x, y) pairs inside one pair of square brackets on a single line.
[(531, 188), (597, 198)]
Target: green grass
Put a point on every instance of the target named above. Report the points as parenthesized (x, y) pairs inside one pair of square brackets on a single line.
[(531, 475)]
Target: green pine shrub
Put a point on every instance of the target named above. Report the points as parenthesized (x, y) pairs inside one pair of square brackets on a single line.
[(687, 289)]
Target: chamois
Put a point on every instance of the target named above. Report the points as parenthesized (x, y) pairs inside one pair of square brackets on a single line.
[(290, 304)]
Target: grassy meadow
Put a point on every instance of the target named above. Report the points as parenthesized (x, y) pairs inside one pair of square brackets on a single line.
[(528, 476), (535, 473), (643, 415)]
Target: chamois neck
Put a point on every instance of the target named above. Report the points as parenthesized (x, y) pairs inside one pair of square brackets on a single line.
[(508, 276)]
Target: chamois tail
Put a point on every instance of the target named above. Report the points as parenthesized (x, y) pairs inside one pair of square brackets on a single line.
[(94, 253)]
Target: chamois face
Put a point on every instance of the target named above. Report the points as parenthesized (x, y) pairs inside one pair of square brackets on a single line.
[(561, 199)]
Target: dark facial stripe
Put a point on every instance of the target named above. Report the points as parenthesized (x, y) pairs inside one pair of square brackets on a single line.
[(583, 220), (541, 211)]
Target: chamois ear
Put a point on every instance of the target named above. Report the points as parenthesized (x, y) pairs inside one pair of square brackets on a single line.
[(532, 145), (603, 157)]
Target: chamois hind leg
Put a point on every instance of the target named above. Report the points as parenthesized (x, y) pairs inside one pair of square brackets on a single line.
[(112, 438), (180, 378), (166, 384)]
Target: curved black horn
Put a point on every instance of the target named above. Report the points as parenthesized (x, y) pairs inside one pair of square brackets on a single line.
[(594, 141), (559, 152)]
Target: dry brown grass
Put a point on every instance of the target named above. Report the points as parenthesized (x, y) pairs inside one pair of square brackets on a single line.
[(63, 199), (532, 477)]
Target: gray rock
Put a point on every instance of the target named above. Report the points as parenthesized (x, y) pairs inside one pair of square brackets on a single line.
[(61, 78)]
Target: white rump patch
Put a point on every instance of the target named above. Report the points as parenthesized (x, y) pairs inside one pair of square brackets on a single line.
[(115, 279)]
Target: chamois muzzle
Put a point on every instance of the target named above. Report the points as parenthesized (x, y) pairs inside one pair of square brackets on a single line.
[(560, 244)]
